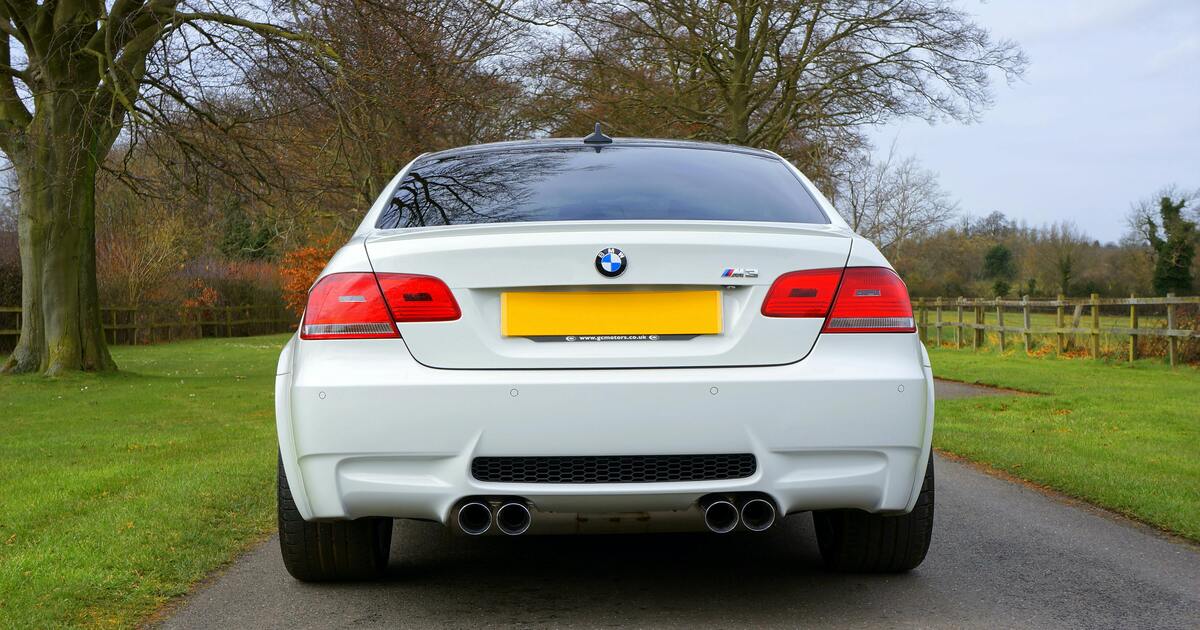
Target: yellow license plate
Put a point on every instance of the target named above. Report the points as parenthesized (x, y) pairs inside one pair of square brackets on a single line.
[(534, 314)]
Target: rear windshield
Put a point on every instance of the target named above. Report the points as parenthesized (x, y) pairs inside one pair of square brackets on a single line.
[(568, 183)]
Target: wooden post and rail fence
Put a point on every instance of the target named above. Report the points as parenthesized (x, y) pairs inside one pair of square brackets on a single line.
[(150, 324), (938, 320), (970, 320)]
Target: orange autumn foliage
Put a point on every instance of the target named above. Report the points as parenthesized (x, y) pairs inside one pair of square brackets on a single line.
[(300, 268)]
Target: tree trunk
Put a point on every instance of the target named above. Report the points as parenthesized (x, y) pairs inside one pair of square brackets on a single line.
[(56, 170)]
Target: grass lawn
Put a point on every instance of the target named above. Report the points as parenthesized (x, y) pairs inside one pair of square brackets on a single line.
[(119, 491), (1126, 438)]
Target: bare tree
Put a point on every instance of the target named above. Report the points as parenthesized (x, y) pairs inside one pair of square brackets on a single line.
[(860, 195), (410, 76), (777, 74), (893, 201), (9, 201), (141, 242), (1064, 245), (71, 76)]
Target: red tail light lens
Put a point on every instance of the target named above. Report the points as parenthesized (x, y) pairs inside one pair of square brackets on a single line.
[(871, 300), (802, 293), (414, 298), (366, 305), (347, 306)]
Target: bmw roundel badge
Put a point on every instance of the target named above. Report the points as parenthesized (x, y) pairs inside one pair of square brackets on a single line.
[(610, 262)]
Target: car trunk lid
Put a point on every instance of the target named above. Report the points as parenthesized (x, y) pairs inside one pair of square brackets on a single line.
[(533, 295)]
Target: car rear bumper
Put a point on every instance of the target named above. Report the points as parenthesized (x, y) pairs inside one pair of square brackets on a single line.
[(364, 430)]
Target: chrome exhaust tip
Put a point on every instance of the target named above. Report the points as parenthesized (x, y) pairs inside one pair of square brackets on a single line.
[(474, 518), (721, 517), (513, 518), (758, 514)]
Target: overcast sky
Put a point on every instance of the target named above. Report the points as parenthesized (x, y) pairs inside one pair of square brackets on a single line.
[(1107, 113)]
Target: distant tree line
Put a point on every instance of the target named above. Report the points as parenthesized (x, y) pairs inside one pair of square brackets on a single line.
[(996, 256)]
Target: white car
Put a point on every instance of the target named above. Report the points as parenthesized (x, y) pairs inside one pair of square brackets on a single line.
[(595, 336)]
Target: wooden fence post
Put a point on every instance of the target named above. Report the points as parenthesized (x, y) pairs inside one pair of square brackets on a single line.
[(1133, 324), (975, 322), (958, 338), (977, 337), (1171, 342), (1000, 321), (228, 321), (1061, 343), (938, 323), (1095, 325), (1025, 322), (921, 332)]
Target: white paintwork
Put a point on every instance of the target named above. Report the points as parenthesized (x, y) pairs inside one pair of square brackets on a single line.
[(366, 429)]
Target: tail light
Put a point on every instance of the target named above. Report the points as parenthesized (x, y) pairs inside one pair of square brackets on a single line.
[(856, 300), (347, 306), (366, 306), (802, 293), (871, 299), (415, 298)]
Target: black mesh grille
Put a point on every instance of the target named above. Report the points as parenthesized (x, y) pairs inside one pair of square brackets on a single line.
[(613, 468)]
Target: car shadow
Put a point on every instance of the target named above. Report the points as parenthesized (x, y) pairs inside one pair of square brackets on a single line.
[(656, 579)]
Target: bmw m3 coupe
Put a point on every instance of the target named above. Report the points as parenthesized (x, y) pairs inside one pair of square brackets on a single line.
[(565, 336)]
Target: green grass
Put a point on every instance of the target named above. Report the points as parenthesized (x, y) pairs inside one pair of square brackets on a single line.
[(1120, 436), (117, 492)]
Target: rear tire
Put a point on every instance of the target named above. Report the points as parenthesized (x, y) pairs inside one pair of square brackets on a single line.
[(854, 541), (330, 551)]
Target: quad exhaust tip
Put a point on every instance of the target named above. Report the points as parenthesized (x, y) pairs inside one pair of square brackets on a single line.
[(474, 518), (758, 515), (721, 517), (513, 518)]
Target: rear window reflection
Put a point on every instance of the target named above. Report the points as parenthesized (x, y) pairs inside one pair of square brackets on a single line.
[(568, 183)]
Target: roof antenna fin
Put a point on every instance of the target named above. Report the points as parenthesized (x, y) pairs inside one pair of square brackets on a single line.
[(597, 137)]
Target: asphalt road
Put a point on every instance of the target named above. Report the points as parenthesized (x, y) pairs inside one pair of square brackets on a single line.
[(949, 390), (1003, 555)]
